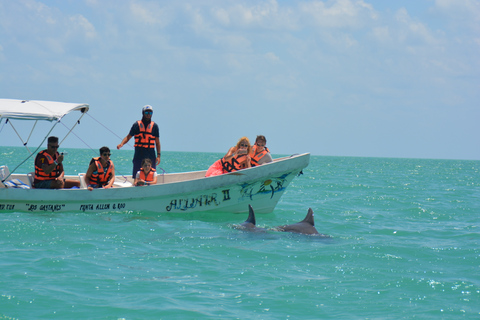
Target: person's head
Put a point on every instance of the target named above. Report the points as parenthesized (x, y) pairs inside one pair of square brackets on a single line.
[(244, 143), (105, 153), (147, 112), (52, 144), (146, 164), (261, 141)]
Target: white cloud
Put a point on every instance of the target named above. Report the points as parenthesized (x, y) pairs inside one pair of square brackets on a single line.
[(234, 42), (198, 22), (149, 13), (463, 16), (81, 25), (340, 14), (272, 57), (42, 28), (471, 6), (221, 15), (265, 15), (382, 33), (41, 11), (255, 15), (410, 28)]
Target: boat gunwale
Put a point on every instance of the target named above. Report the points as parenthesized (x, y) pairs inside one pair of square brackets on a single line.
[(280, 166)]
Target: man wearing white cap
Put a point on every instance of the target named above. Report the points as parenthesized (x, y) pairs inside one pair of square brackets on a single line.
[(147, 137)]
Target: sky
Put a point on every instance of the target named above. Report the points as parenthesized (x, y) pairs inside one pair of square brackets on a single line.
[(397, 79)]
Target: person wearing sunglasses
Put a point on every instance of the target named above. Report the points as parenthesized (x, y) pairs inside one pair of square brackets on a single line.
[(260, 153), (49, 168), (237, 158), (147, 139), (101, 171)]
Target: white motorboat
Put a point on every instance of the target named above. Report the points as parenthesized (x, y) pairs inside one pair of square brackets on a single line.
[(260, 186)]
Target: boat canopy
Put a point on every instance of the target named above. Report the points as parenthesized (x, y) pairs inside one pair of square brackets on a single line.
[(38, 110)]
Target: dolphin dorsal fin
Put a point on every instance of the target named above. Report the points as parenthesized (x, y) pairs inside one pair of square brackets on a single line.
[(251, 215), (309, 217)]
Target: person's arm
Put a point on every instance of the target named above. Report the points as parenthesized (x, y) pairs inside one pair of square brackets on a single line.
[(124, 141), (230, 154), (159, 149), (266, 159), (61, 175), (49, 168), (90, 170), (112, 178), (154, 178), (248, 161), (137, 178)]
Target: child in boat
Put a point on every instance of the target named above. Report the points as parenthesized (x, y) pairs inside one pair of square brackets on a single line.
[(146, 175)]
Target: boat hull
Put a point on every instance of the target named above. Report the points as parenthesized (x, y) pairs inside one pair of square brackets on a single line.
[(261, 186)]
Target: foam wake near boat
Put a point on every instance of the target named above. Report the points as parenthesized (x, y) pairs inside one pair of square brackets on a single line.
[(184, 192)]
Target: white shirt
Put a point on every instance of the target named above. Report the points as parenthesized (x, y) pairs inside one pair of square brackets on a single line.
[(138, 175)]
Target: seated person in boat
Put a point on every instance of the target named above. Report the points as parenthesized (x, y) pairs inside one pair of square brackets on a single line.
[(146, 175), (101, 171), (49, 168), (237, 158), (260, 153)]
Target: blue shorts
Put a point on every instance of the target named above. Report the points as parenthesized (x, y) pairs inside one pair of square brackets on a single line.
[(43, 184)]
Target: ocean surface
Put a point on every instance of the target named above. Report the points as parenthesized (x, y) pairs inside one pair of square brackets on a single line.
[(405, 245)]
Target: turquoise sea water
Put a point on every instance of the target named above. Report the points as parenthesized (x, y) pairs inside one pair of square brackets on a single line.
[(405, 246)]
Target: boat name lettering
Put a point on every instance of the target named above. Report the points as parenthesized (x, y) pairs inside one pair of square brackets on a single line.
[(101, 206), (119, 206), (86, 207), (203, 200), (226, 194), (51, 207), (45, 207), (7, 206)]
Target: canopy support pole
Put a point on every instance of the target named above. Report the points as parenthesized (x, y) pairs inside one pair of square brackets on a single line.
[(23, 142), (77, 122), (31, 154), (3, 126), (30, 135)]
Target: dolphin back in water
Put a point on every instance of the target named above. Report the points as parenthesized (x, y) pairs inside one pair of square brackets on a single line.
[(250, 223), (306, 226)]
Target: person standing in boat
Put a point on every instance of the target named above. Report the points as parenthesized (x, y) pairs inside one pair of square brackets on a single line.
[(237, 158), (147, 139), (146, 175), (260, 153), (101, 171), (49, 168)]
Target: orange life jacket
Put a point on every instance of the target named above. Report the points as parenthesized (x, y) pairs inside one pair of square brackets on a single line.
[(149, 177), (40, 174), (101, 177), (145, 139), (256, 157), (236, 163)]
